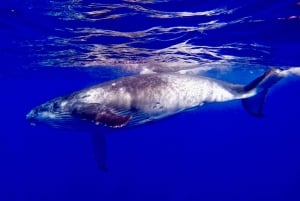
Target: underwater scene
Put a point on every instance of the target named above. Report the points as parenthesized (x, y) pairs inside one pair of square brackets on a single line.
[(143, 100)]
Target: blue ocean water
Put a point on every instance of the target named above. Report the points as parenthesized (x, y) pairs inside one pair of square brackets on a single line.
[(219, 152)]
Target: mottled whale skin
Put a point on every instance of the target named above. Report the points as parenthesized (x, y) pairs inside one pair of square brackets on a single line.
[(139, 99)]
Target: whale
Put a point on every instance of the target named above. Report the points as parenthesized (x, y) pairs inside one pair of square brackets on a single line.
[(143, 98), (139, 99)]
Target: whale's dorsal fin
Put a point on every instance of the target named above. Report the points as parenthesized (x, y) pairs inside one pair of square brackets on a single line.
[(101, 115)]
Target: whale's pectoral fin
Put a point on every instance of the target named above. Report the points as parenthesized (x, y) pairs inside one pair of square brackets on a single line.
[(101, 115), (100, 150)]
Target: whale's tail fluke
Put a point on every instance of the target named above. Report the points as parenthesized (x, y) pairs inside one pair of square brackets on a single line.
[(258, 89)]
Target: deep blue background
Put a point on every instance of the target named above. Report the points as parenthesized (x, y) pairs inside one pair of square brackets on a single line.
[(218, 152)]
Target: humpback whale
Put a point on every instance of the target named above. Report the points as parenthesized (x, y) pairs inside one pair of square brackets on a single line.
[(139, 99)]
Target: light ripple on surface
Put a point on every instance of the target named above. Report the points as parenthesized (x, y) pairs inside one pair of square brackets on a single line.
[(107, 34)]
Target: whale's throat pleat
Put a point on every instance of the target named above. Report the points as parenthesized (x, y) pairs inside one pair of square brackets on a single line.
[(101, 115)]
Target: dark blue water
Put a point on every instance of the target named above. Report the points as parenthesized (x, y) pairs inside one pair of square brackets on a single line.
[(219, 152)]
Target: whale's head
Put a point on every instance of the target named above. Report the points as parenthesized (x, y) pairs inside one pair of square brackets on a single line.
[(52, 113)]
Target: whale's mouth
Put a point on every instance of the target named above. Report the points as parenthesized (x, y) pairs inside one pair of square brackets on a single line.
[(30, 118), (37, 117)]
